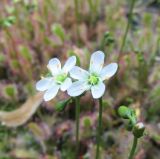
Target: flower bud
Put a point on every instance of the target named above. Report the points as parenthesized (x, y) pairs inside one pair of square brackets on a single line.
[(60, 106), (138, 130), (124, 112)]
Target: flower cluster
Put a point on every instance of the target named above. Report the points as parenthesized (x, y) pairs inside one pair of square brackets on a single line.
[(83, 80)]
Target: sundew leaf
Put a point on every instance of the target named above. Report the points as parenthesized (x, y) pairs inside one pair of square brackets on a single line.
[(25, 53), (21, 115), (58, 31), (2, 58), (8, 21), (16, 1), (15, 64), (36, 130), (10, 91)]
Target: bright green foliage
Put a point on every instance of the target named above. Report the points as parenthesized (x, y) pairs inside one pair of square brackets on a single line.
[(8, 21)]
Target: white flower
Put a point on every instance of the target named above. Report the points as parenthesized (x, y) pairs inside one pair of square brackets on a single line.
[(59, 78), (92, 79)]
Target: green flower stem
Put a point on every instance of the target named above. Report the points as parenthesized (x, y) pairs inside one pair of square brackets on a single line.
[(127, 28), (99, 130), (135, 141), (77, 125), (93, 5)]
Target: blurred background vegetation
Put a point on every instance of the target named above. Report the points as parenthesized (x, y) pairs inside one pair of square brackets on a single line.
[(33, 31)]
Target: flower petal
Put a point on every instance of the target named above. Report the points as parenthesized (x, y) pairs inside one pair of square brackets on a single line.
[(98, 90), (43, 84), (96, 62), (78, 73), (77, 88), (66, 84), (51, 92), (70, 63), (54, 65), (108, 71)]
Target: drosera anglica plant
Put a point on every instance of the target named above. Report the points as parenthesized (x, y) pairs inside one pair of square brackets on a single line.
[(93, 80), (137, 128), (58, 80)]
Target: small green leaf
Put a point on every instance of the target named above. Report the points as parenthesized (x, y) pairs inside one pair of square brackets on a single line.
[(25, 53), (2, 58), (8, 21), (16, 1), (10, 91), (15, 64), (108, 38), (87, 122), (58, 31)]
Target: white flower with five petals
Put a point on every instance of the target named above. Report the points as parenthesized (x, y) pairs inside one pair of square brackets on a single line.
[(59, 78), (92, 79)]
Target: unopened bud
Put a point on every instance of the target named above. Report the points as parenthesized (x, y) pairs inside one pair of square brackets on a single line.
[(124, 112), (138, 130)]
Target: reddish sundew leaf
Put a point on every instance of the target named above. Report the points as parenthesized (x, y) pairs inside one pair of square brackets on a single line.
[(41, 130)]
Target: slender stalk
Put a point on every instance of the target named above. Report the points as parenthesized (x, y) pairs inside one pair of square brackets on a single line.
[(96, 5), (135, 141), (127, 28), (93, 5), (77, 125), (78, 19), (99, 130), (77, 10)]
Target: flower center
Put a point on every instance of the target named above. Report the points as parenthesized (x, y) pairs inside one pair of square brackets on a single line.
[(60, 78), (93, 79)]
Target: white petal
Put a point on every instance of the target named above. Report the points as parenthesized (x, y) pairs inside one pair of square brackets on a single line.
[(70, 63), (77, 88), (98, 90), (108, 71), (78, 73), (66, 84), (44, 84), (51, 92), (96, 62), (54, 66)]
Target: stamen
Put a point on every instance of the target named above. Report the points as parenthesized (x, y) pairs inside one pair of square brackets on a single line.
[(93, 79), (60, 78)]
